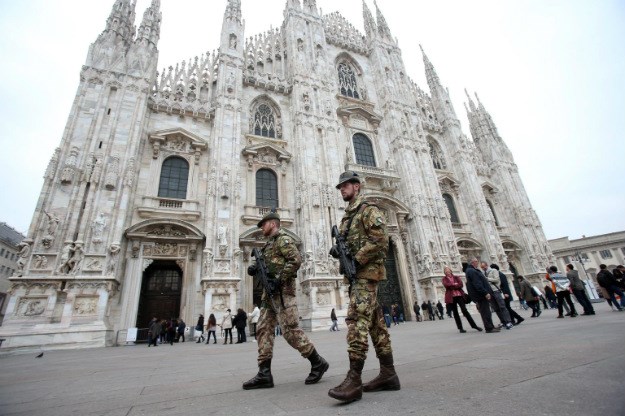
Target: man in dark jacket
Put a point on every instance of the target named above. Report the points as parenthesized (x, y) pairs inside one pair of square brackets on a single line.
[(579, 290), (480, 292), (607, 281), (417, 311)]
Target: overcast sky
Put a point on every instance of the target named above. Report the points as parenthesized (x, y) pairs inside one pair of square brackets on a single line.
[(550, 72)]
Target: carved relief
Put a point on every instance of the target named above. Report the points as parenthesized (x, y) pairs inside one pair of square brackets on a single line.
[(31, 306), (85, 305), (164, 249)]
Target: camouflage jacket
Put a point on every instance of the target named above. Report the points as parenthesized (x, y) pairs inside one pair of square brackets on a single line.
[(367, 238), (283, 260)]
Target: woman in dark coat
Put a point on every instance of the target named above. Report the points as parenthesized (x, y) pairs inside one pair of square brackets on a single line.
[(454, 296), (240, 322), (200, 327)]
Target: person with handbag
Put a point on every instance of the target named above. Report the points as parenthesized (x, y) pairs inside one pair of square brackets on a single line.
[(199, 327), (454, 297)]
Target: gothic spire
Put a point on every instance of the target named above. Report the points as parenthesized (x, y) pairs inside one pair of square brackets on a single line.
[(121, 20), (150, 28), (370, 26), (471, 103), (430, 73), (310, 6), (382, 26), (483, 129), (233, 11)]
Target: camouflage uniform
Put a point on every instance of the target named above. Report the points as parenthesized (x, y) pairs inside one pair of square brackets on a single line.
[(367, 240), (283, 259)]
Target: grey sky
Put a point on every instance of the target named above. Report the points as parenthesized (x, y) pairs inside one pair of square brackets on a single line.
[(551, 74)]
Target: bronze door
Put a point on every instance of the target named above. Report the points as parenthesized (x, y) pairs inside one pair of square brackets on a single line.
[(389, 290), (160, 293)]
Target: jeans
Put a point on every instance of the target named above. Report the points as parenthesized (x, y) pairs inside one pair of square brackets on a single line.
[(615, 289), (335, 325), (387, 320)]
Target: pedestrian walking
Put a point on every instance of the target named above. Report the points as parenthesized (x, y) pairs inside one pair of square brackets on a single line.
[(579, 291), (480, 292), (335, 322), (154, 331), (282, 259), (515, 318), (364, 229), (417, 311), (562, 284), (199, 327)]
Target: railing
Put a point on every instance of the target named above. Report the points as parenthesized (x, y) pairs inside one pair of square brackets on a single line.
[(168, 203)]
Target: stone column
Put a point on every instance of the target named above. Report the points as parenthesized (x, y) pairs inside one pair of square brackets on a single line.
[(133, 277)]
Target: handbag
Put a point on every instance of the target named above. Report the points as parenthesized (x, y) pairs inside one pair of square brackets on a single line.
[(466, 297)]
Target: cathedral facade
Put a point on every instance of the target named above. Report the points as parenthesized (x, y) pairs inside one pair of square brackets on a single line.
[(150, 203)]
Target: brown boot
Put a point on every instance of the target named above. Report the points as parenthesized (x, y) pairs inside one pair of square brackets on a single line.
[(351, 388), (262, 380), (387, 379)]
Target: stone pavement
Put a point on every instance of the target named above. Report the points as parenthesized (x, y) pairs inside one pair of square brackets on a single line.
[(546, 366)]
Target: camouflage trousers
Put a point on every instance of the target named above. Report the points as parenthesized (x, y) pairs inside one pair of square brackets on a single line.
[(364, 318), (288, 317)]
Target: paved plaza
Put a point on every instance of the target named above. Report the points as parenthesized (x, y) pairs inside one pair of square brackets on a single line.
[(546, 366)]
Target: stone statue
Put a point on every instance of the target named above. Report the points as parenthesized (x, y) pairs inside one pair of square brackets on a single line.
[(66, 253), (114, 250), (23, 254), (97, 227), (221, 235), (208, 261), (75, 262), (53, 222)]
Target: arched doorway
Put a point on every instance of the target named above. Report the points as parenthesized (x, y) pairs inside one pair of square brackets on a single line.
[(161, 290), (389, 290)]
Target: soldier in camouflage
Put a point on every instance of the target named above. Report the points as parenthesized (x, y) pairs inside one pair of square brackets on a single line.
[(365, 229), (283, 259)]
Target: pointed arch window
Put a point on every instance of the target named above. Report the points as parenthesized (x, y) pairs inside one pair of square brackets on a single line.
[(451, 207), (363, 150), (347, 81), (264, 121), (438, 160), (266, 189), (174, 178), (492, 210)]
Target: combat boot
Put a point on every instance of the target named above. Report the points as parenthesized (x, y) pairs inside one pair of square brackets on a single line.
[(351, 388), (387, 379), (318, 366), (262, 380)]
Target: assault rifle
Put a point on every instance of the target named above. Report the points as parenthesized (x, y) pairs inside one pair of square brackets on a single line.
[(269, 283), (346, 261)]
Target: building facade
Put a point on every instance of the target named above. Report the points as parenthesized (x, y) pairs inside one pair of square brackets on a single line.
[(587, 253), (10, 250), (150, 203)]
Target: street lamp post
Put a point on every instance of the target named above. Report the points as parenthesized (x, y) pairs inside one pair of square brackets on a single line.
[(588, 284)]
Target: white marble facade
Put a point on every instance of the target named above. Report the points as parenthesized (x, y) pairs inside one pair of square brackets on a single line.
[(298, 102)]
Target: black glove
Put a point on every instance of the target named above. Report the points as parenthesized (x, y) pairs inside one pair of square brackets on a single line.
[(357, 265), (251, 269), (334, 252)]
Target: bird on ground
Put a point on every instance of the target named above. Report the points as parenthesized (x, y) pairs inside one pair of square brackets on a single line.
[(40, 355)]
